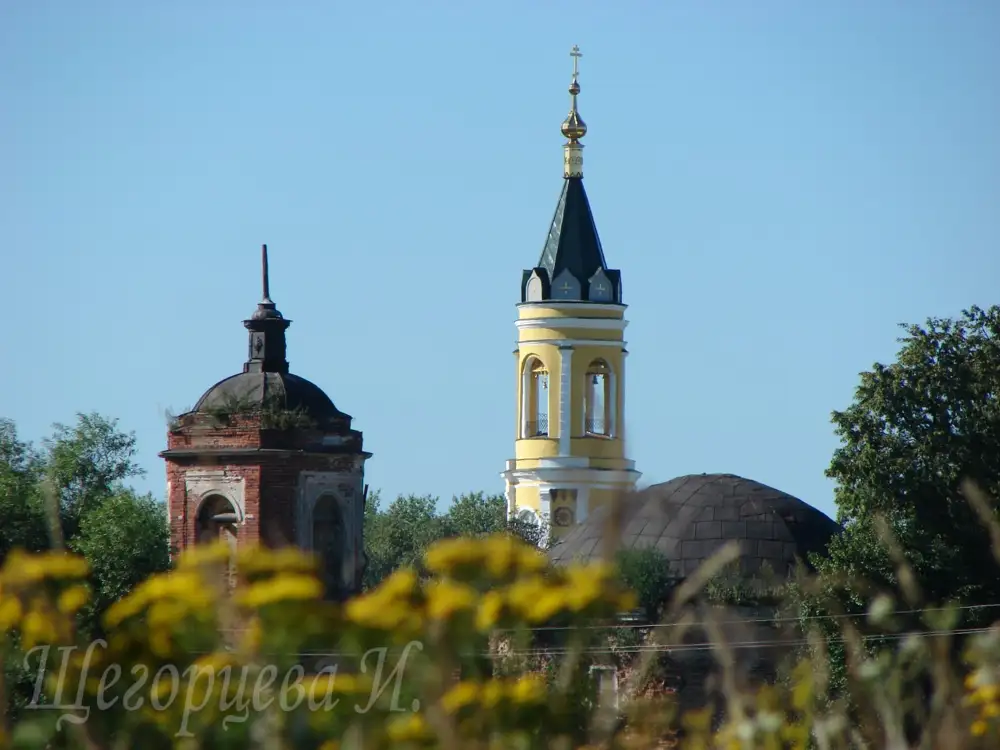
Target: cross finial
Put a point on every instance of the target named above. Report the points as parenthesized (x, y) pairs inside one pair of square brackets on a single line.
[(576, 54), (264, 274)]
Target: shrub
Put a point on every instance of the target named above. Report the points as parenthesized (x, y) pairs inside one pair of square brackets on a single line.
[(445, 654)]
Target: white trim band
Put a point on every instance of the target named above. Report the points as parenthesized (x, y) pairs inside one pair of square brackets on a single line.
[(614, 343), (597, 324)]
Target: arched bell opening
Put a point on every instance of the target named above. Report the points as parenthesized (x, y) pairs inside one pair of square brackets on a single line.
[(217, 520), (330, 544), (535, 399)]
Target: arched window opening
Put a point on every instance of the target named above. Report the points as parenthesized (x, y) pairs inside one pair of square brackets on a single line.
[(535, 399), (329, 543), (598, 398), (217, 521)]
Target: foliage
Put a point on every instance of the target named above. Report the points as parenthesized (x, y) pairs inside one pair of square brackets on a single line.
[(271, 411), (87, 461), (916, 429), (125, 540), (646, 571), (23, 521), (761, 589), (203, 666), (400, 534), (436, 620), (72, 491)]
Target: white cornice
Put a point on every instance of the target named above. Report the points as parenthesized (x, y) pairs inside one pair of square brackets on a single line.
[(573, 343), (596, 324), (600, 478)]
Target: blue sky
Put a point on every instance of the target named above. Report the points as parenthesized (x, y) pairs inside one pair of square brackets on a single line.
[(781, 183)]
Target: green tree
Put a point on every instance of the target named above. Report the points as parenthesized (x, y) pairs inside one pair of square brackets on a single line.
[(23, 520), (87, 462), (398, 535), (75, 486), (476, 513), (646, 571), (125, 539), (916, 429)]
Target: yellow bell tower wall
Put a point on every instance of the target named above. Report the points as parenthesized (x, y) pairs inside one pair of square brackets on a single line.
[(569, 448)]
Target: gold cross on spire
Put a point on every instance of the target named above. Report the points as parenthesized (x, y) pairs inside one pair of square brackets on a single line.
[(576, 54)]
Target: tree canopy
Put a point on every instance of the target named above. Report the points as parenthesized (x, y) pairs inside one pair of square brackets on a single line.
[(918, 428), (72, 490), (399, 534)]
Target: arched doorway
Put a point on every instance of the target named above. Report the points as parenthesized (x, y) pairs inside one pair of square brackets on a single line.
[(217, 521), (330, 544)]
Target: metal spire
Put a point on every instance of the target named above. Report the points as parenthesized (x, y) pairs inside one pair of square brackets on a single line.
[(264, 274), (573, 127)]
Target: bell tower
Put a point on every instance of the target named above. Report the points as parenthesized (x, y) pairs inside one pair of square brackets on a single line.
[(569, 443)]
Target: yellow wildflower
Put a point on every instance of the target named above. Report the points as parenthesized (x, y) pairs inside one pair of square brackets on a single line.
[(166, 613), (63, 566), (374, 611), (123, 609), (252, 636), (491, 693), (445, 598), (407, 728), (531, 560), (216, 553), (400, 584), (283, 559), (446, 555), (979, 728), (502, 554), (160, 643), (72, 599), (528, 689), (547, 605), (24, 568), (215, 661), (10, 612), (489, 611), (582, 593), (524, 592), (462, 695), (282, 588), (37, 629)]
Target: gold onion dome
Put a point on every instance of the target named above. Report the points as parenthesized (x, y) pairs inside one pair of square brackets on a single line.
[(573, 126)]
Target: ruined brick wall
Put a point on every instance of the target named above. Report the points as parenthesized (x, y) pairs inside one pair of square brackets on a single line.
[(264, 487)]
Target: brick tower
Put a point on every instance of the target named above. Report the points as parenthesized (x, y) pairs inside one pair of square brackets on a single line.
[(265, 457)]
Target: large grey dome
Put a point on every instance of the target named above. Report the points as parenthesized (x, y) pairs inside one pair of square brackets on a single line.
[(690, 517), (277, 389)]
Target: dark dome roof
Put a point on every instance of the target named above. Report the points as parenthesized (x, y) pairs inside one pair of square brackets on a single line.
[(281, 390), (690, 517)]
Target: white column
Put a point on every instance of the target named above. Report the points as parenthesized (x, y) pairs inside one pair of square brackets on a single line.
[(620, 416), (582, 504), (613, 403), (565, 398), (545, 508)]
